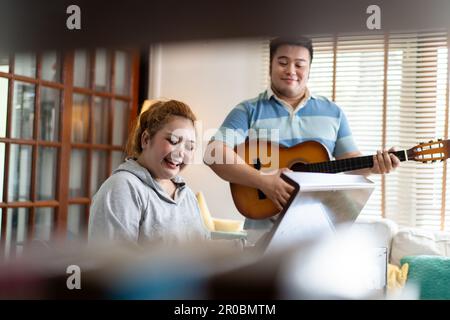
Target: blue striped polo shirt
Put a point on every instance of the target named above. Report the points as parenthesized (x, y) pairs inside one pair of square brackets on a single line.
[(267, 117)]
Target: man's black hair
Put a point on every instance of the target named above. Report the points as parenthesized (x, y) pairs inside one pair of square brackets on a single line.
[(299, 42)]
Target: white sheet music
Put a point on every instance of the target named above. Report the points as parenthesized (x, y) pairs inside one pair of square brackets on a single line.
[(322, 202)]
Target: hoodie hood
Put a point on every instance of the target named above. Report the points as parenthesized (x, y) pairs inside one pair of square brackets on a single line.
[(133, 167)]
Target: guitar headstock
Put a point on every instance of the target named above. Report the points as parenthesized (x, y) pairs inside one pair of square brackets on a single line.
[(431, 151)]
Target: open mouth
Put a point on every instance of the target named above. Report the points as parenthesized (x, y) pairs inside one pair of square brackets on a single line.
[(172, 164)]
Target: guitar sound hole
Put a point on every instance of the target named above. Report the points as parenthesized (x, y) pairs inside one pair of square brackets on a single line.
[(261, 195), (257, 166), (299, 167)]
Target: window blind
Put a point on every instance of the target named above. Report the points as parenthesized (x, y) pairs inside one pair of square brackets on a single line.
[(394, 91)]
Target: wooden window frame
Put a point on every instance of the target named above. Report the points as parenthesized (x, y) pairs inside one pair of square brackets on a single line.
[(64, 145)]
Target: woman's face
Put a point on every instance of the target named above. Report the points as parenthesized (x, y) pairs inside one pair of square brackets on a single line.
[(170, 149)]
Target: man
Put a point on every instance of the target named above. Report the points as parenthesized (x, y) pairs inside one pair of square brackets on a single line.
[(300, 116)]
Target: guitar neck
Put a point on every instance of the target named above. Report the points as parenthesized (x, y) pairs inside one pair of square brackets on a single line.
[(349, 164)]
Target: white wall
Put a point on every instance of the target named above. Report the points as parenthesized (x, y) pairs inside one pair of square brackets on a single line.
[(211, 77)]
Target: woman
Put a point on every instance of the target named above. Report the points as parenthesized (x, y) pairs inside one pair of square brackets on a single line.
[(145, 199)]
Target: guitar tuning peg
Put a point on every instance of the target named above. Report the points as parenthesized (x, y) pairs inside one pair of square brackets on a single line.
[(439, 139), (421, 142), (431, 141)]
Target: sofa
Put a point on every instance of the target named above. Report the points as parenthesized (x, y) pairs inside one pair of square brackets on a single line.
[(422, 256), (415, 259)]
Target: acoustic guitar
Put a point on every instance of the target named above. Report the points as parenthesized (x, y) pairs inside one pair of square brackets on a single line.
[(310, 156)]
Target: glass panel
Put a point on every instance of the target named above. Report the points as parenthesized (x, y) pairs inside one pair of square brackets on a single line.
[(122, 73), (101, 120), (117, 158), (16, 230), (46, 173), (51, 67), (2, 169), (25, 64), (102, 70), (4, 63), (49, 122), (78, 168), (43, 224), (120, 128), (3, 105), (80, 118), (76, 222), (23, 110), (19, 179), (81, 69), (98, 170)]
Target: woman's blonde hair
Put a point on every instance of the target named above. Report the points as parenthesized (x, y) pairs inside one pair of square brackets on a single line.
[(153, 117)]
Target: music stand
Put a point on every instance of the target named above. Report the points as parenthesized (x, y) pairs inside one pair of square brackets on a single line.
[(320, 202)]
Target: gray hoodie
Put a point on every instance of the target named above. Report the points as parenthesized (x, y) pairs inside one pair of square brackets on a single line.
[(131, 206)]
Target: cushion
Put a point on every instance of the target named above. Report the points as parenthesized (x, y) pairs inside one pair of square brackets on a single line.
[(431, 274), (413, 242), (228, 225), (397, 276)]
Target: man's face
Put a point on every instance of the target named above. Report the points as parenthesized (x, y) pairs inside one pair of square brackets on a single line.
[(290, 71)]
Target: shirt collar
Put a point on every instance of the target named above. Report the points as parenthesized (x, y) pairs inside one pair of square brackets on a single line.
[(301, 103)]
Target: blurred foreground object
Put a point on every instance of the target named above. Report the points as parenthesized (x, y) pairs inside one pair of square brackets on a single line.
[(326, 268), (310, 253), (37, 25)]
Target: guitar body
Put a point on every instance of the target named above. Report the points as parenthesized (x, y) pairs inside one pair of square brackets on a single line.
[(311, 156), (251, 202)]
